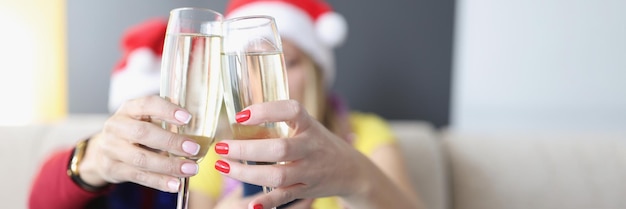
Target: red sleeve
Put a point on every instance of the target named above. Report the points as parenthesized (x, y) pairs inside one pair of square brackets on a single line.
[(52, 188)]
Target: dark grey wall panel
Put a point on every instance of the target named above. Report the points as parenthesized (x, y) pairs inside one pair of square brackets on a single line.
[(396, 62), (94, 31)]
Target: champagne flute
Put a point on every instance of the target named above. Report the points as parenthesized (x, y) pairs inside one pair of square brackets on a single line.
[(191, 77), (254, 72)]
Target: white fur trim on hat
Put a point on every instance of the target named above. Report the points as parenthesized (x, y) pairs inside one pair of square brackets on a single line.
[(332, 28), (140, 77)]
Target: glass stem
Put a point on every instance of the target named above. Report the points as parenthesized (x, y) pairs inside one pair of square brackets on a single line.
[(183, 194)]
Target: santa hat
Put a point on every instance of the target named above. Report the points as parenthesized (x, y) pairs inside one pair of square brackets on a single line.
[(138, 72), (311, 24)]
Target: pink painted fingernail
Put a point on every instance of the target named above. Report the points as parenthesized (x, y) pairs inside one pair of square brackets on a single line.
[(189, 168), (182, 116), (191, 147), (258, 206), (173, 185)]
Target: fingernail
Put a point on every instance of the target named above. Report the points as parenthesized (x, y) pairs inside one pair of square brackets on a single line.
[(189, 168), (242, 116), (173, 185), (182, 116), (221, 148), (258, 206), (222, 166), (191, 147)]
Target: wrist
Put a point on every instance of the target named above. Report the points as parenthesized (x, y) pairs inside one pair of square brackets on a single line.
[(364, 183), (372, 188), (81, 171)]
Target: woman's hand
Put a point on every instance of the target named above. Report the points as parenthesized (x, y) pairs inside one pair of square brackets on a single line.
[(133, 147), (320, 163), (235, 200)]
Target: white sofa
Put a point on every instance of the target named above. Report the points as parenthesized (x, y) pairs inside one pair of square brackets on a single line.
[(450, 170)]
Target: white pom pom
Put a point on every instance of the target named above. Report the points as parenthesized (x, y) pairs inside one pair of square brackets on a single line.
[(332, 29), (140, 77), (143, 60)]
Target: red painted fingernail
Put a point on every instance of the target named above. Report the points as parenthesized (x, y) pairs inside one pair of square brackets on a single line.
[(242, 116), (222, 166), (221, 148), (258, 206)]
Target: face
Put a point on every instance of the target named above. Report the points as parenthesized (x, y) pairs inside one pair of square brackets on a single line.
[(298, 66), (301, 75)]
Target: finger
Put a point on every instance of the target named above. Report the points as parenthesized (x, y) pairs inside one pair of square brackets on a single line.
[(142, 159), (278, 197), (156, 108), (266, 175), (150, 135), (266, 150), (289, 111), (121, 172)]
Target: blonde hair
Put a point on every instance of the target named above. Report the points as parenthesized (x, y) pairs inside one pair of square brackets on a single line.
[(316, 100)]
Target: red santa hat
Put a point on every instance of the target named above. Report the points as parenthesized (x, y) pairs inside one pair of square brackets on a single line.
[(138, 72), (311, 24)]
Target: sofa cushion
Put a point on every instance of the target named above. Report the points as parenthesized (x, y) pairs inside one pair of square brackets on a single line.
[(422, 151), (521, 171)]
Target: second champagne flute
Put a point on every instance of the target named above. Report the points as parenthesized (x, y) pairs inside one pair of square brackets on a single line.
[(190, 77), (254, 72)]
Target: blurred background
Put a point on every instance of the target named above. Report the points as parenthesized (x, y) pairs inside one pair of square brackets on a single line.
[(468, 65), (516, 66)]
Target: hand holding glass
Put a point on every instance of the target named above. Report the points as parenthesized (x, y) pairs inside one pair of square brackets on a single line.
[(190, 77), (254, 72)]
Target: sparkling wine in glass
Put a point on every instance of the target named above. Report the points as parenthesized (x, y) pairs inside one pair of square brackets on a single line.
[(253, 72), (191, 77)]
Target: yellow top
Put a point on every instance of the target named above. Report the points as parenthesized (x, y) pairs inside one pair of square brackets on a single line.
[(370, 132)]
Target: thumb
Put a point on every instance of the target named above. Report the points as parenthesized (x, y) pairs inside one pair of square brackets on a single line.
[(277, 197), (300, 204)]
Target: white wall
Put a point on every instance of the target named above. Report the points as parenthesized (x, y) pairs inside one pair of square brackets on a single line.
[(539, 65)]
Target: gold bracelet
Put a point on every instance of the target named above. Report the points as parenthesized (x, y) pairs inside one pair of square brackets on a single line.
[(72, 167)]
